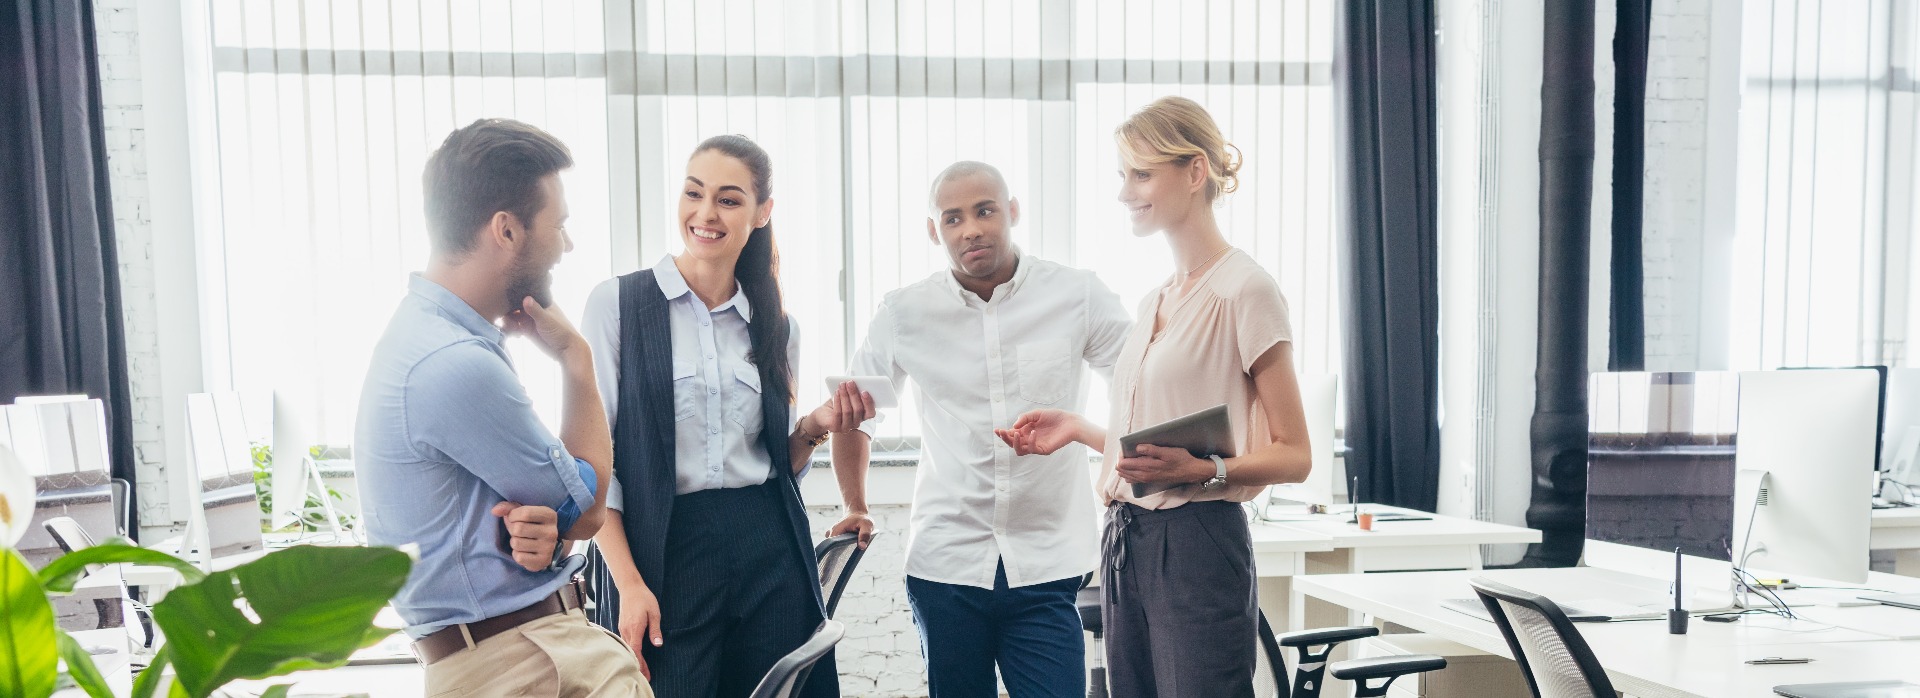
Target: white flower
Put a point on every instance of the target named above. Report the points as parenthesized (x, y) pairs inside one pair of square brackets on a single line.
[(16, 498)]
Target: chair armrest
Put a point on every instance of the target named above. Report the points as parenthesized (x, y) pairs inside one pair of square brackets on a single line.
[(1326, 636), (1382, 667)]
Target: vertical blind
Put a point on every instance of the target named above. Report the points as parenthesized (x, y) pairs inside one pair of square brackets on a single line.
[(1827, 127), (328, 110)]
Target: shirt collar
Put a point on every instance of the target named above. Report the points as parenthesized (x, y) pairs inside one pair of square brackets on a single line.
[(673, 285), (454, 307), (1023, 266)]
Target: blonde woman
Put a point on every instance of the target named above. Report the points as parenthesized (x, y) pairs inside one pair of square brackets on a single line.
[(1177, 565)]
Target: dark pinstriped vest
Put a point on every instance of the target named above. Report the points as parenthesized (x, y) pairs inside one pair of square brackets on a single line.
[(643, 448)]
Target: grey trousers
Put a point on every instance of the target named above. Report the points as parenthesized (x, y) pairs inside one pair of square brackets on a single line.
[(1179, 601)]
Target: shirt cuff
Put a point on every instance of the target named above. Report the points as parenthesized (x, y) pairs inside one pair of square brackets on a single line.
[(575, 475), (569, 512)]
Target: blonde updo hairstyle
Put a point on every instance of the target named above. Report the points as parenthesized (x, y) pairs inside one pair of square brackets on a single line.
[(1176, 130)]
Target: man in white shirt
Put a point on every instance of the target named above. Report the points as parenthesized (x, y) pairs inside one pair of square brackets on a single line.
[(999, 542)]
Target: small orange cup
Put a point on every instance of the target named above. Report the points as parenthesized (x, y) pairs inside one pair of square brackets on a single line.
[(1366, 521)]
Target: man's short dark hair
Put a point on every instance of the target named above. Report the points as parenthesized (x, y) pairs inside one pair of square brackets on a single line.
[(488, 166)]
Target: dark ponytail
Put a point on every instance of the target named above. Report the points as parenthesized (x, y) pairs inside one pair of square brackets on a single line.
[(758, 270)]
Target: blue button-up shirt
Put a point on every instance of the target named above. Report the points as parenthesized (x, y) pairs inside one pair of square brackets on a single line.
[(445, 432)]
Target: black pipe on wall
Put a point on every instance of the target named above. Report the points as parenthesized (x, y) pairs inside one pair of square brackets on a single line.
[(1559, 428)]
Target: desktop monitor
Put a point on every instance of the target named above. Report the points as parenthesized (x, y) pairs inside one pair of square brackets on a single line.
[(1805, 451), (1900, 435), (1660, 476), (223, 511)]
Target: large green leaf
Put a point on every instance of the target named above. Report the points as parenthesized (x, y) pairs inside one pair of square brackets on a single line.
[(150, 677), (81, 667), (61, 574), (28, 660), (314, 606)]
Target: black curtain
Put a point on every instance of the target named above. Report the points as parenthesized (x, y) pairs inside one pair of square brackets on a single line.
[(1626, 349), (1385, 129), (59, 276)]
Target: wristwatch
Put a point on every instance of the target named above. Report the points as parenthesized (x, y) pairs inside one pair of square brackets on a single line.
[(1219, 478)]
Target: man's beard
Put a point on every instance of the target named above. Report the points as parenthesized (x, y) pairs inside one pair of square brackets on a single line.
[(529, 280)]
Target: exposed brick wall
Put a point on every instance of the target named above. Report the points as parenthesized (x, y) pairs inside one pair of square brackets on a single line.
[(116, 23), (1676, 138)]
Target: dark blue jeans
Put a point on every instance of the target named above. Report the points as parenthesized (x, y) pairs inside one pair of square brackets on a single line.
[(1032, 632)]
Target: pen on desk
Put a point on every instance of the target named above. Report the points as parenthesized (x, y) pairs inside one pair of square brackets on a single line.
[(1677, 616)]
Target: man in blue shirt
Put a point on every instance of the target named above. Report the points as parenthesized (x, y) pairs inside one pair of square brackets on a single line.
[(453, 460)]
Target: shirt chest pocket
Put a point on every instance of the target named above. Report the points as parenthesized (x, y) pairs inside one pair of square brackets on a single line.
[(743, 400), (1046, 370), (686, 391)]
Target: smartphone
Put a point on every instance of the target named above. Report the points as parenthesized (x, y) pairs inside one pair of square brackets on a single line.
[(878, 386)]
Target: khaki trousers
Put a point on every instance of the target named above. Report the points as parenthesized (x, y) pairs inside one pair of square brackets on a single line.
[(561, 655)]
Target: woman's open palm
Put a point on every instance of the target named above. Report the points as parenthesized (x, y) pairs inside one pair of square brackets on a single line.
[(1041, 432)]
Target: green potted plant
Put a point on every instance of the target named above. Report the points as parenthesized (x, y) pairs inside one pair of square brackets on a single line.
[(291, 610)]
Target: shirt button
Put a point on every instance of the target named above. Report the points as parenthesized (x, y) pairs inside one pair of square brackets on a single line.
[(709, 357), (555, 453), (713, 430)]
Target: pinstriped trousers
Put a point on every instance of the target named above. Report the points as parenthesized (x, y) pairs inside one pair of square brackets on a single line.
[(737, 597)]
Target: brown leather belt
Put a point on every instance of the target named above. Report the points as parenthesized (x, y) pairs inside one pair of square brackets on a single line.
[(450, 640)]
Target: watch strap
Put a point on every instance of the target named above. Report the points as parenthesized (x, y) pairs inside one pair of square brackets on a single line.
[(1219, 478)]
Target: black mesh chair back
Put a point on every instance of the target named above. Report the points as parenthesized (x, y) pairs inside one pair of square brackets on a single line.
[(1554, 657), (839, 556), (790, 673), (1270, 678)]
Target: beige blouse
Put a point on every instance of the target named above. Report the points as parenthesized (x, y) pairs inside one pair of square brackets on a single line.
[(1203, 357)]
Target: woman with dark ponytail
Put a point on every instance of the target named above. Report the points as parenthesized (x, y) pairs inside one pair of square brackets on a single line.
[(705, 566)]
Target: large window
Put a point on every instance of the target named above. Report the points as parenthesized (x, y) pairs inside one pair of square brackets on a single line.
[(1823, 251), (328, 110)]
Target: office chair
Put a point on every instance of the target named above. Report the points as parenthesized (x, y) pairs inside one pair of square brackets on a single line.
[(838, 556), (1554, 657), (1086, 600), (68, 534), (790, 673), (1314, 646), (1270, 665)]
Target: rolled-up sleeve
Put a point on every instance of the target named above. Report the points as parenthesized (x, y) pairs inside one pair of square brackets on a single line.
[(875, 358), (464, 405)]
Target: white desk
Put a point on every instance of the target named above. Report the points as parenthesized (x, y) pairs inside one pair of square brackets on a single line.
[(1640, 657), (1281, 551), (1440, 543), (1898, 530)]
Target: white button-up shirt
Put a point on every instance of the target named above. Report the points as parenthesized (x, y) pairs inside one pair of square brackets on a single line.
[(977, 366), (717, 415)]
